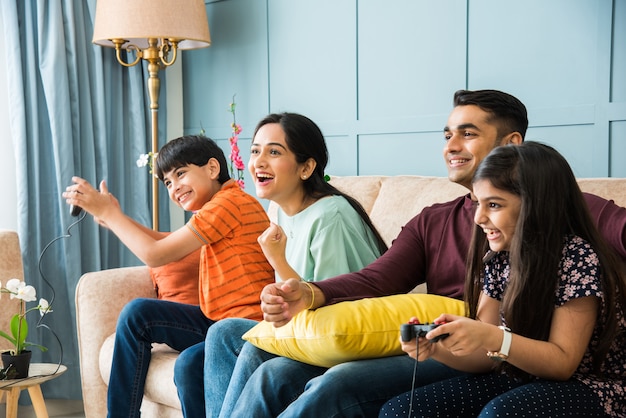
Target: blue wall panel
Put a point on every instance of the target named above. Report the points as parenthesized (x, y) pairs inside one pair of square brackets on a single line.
[(397, 154), (411, 57), (312, 63), (378, 76), (618, 63), (235, 63), (618, 149), (576, 144), (342, 151), (544, 52)]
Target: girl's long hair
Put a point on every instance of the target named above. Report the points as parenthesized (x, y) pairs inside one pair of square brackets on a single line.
[(552, 207), (305, 139)]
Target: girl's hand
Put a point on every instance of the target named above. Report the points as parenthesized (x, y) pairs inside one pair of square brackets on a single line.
[(465, 335), (273, 242), (418, 348)]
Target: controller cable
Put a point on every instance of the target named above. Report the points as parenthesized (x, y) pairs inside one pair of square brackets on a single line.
[(51, 303), (412, 393)]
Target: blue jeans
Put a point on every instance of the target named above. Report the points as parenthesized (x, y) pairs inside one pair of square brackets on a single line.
[(228, 363), (141, 323), (287, 388)]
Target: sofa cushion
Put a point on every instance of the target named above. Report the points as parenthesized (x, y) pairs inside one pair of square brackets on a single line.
[(346, 331)]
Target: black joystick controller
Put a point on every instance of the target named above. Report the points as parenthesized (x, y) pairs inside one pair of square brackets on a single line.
[(75, 210), (410, 331)]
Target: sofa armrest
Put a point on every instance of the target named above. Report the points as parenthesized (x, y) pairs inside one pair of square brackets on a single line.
[(100, 296)]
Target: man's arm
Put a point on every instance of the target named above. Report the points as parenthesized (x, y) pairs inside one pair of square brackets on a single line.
[(610, 220)]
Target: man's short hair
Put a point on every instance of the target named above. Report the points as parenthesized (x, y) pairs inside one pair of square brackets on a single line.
[(507, 112)]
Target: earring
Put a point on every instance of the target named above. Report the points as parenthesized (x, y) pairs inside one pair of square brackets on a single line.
[(304, 177)]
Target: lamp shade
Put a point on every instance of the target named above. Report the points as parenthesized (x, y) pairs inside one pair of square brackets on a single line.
[(138, 20)]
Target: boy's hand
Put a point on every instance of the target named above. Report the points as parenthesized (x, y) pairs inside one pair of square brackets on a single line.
[(281, 301), (97, 203), (105, 189)]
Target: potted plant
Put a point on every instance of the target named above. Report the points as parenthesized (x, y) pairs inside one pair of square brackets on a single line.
[(17, 360)]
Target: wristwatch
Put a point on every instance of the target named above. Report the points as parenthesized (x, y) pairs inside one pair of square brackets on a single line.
[(503, 354)]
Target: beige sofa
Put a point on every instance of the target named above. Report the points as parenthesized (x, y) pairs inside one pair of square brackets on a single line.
[(390, 201)]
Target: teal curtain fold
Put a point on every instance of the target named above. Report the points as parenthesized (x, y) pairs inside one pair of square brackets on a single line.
[(74, 111)]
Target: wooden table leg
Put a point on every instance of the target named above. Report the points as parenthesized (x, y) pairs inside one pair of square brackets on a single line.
[(36, 397), (12, 396)]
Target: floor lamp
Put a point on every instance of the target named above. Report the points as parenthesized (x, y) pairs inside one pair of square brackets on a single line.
[(155, 30)]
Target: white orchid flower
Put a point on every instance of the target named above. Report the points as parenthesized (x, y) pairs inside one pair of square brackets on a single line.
[(21, 290), (27, 293), (44, 307), (143, 160), (13, 285)]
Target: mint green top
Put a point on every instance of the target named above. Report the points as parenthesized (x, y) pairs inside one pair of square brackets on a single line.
[(327, 239)]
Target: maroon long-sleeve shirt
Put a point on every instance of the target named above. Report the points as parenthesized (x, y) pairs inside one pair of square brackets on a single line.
[(432, 248)]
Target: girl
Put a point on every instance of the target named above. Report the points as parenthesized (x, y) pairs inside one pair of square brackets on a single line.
[(320, 233), (546, 334)]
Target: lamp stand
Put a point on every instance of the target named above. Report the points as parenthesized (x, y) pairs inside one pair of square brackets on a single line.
[(155, 30), (157, 57), (154, 86)]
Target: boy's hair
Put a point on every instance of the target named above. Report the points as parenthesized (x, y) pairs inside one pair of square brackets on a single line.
[(190, 149), (552, 208), (508, 113)]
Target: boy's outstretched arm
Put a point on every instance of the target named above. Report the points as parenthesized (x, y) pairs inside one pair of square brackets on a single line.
[(151, 247)]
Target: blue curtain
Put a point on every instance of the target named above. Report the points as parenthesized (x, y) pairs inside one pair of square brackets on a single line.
[(74, 111)]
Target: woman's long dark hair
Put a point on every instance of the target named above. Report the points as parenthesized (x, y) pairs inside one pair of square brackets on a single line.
[(552, 207), (305, 139)]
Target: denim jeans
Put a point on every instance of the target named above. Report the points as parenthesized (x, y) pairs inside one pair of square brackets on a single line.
[(141, 323), (286, 388), (228, 363)]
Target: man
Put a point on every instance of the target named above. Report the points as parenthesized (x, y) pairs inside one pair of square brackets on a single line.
[(479, 122)]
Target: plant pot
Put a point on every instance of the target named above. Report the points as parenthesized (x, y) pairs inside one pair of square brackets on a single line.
[(20, 363)]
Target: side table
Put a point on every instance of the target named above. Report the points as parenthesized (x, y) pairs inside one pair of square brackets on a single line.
[(38, 373)]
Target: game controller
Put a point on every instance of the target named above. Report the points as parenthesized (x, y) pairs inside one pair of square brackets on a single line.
[(410, 330), (75, 210)]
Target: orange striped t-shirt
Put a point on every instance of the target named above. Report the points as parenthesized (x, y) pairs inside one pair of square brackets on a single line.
[(233, 269)]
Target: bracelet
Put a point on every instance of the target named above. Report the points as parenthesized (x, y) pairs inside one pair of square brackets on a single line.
[(312, 294)]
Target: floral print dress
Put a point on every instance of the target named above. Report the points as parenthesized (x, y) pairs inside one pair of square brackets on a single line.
[(579, 277)]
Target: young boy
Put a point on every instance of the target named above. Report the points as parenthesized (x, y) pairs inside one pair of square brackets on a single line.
[(233, 270)]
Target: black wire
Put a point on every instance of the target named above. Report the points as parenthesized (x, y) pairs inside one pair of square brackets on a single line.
[(50, 304), (412, 393)]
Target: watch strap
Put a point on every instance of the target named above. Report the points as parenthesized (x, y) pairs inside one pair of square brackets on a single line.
[(503, 354)]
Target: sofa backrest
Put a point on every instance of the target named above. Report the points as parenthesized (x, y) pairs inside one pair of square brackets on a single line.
[(391, 201), (610, 188)]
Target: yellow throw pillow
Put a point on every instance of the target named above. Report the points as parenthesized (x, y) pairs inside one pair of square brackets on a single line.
[(354, 330)]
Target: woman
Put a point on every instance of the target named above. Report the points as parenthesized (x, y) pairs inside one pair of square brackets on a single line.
[(320, 233), (546, 334)]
